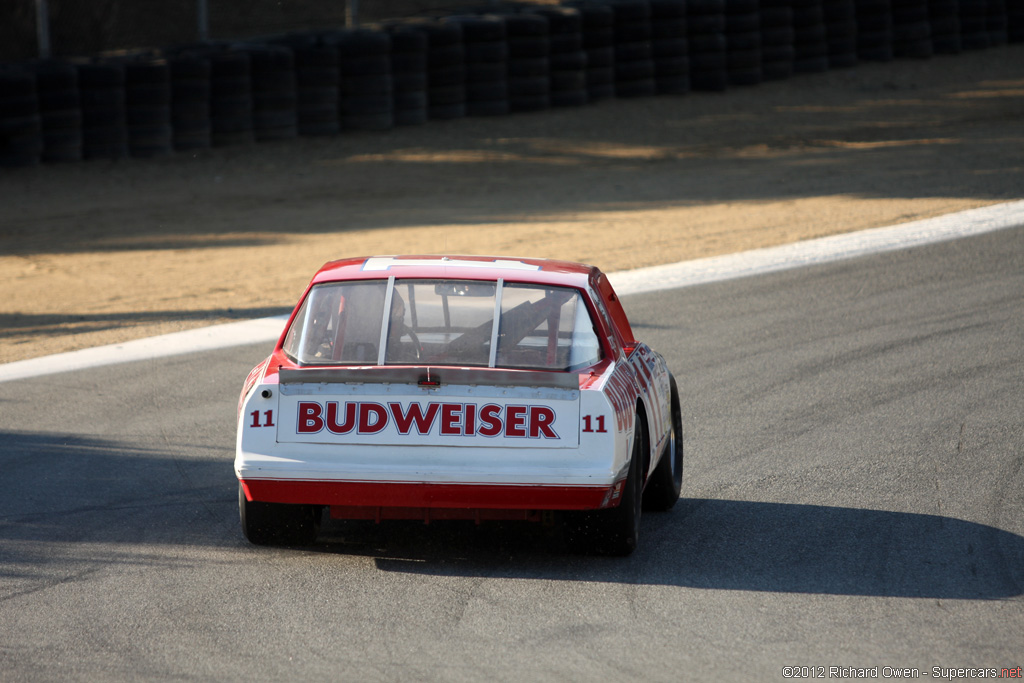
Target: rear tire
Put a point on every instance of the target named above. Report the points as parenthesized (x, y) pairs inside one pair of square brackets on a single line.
[(614, 531), (666, 481), (278, 523)]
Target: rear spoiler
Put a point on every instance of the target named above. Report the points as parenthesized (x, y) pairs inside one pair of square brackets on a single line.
[(430, 376)]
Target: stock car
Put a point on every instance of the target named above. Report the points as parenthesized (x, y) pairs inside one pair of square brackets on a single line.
[(458, 387)]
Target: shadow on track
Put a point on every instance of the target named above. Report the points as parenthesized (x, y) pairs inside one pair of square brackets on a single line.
[(726, 545), (118, 501)]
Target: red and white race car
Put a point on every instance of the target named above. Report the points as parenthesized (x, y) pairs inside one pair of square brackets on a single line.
[(458, 387)]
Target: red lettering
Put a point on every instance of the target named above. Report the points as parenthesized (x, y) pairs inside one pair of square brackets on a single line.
[(450, 414), (310, 420), (470, 423), (541, 419), (515, 421), (379, 421), (345, 427), (415, 414), (490, 420)]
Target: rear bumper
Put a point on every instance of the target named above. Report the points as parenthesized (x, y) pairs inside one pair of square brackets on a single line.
[(345, 497)]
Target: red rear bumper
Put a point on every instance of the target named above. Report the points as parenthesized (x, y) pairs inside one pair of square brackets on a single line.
[(403, 500)]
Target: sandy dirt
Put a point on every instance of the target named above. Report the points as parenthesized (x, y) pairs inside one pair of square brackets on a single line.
[(101, 252)]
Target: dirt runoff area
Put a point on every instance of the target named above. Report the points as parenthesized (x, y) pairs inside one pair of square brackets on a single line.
[(101, 252)]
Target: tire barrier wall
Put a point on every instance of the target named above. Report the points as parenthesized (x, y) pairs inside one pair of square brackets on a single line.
[(482, 62)]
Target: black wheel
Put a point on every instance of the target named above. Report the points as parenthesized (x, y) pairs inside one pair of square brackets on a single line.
[(666, 481), (613, 531), (278, 523)]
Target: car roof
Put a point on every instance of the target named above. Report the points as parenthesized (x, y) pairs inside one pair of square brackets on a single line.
[(456, 267)]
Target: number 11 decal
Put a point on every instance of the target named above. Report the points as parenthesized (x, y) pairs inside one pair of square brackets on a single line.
[(588, 425), (268, 416)]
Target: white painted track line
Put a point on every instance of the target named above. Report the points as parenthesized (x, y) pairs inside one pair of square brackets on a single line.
[(818, 251), (655, 278)]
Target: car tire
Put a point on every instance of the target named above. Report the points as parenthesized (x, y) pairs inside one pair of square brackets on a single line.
[(666, 481), (613, 531), (278, 523)]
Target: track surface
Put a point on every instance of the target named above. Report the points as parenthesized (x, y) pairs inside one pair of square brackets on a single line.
[(854, 497)]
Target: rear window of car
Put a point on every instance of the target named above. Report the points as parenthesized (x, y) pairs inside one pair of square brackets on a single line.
[(444, 322)]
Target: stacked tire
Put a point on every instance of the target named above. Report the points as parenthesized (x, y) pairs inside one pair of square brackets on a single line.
[(634, 55), (705, 21), (316, 84), (777, 52), (810, 42), (366, 90), (911, 29), (743, 41), (529, 62), (60, 110), (599, 44), (671, 47), (104, 129), (485, 47), (446, 68), (230, 97), (944, 18), (408, 74), (567, 59), (21, 131), (147, 85), (274, 97), (995, 22), (841, 33), (874, 30), (190, 101), (1015, 21)]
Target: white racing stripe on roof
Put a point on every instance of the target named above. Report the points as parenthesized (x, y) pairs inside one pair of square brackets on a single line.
[(655, 278), (388, 262)]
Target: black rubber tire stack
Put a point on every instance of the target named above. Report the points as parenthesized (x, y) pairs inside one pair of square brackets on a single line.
[(874, 30), (777, 52), (230, 97), (529, 62), (944, 17), (599, 44), (274, 94), (911, 29), (1015, 21), (408, 74), (21, 128), (446, 68), (973, 29), (634, 52), (317, 75), (485, 42), (705, 23), (567, 59), (671, 47), (743, 40), (190, 101), (104, 130), (366, 89), (809, 38), (60, 110), (995, 23), (147, 89), (841, 33)]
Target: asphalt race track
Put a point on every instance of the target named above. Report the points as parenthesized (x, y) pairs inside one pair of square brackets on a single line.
[(854, 497)]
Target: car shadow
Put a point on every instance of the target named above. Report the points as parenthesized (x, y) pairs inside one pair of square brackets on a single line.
[(723, 545), (116, 501)]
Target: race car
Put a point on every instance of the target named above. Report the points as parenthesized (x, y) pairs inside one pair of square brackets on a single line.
[(458, 387)]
